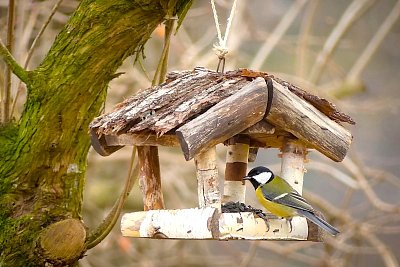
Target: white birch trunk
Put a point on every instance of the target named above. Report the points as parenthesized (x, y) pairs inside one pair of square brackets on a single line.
[(207, 223), (207, 179)]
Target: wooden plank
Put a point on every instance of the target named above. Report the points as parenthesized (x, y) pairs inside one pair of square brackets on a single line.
[(224, 120), (149, 139), (300, 118), (176, 224), (261, 127), (245, 225), (208, 223), (100, 144)]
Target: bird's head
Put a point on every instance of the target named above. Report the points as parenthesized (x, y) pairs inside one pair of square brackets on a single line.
[(259, 176)]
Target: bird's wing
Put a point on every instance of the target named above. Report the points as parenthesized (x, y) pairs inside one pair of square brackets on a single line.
[(291, 199)]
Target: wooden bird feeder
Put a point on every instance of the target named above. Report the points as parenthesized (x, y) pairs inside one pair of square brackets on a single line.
[(198, 109)]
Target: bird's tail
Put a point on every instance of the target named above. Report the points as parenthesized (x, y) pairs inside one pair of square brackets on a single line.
[(319, 221)]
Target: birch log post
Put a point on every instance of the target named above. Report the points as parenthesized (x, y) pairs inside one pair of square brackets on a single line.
[(292, 167), (150, 178), (208, 223), (224, 120), (237, 155), (207, 179), (294, 155)]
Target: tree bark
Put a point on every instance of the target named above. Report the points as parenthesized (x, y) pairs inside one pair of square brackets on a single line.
[(43, 157)]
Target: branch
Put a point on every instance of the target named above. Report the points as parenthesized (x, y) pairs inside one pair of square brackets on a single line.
[(375, 42), (13, 64), (32, 49), (7, 77), (373, 198), (352, 13), (108, 223), (161, 71), (276, 35)]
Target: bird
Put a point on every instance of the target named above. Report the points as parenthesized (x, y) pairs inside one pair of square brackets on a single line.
[(282, 200)]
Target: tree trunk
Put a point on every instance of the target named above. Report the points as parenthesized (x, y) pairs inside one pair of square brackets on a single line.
[(43, 157)]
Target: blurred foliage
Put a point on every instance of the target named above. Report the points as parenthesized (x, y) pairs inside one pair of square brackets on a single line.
[(288, 39)]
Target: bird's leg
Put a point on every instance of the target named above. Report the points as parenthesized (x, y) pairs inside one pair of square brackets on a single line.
[(264, 217), (289, 220)]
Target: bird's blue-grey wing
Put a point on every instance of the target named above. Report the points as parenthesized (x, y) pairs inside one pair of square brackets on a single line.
[(291, 199)]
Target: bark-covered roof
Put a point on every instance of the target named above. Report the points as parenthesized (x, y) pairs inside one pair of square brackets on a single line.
[(185, 95)]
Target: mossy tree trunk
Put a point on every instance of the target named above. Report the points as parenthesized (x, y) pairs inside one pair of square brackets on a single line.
[(43, 157)]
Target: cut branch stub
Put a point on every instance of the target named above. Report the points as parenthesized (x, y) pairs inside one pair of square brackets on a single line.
[(301, 119), (224, 120), (63, 240)]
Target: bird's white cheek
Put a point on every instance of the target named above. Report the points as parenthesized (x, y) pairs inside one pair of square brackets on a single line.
[(263, 177)]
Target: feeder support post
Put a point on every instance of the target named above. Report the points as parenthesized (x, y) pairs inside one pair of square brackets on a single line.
[(207, 179), (292, 169), (236, 167), (150, 178), (294, 155)]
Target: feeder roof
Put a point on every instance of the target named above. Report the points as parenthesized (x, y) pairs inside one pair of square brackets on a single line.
[(186, 104)]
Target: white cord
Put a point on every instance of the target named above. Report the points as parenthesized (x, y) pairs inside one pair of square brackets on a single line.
[(221, 48)]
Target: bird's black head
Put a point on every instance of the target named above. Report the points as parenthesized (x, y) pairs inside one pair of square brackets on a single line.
[(259, 175)]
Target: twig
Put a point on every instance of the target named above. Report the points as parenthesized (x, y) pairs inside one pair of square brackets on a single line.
[(355, 10), (32, 49), (162, 67), (383, 175), (387, 256), (375, 42), (250, 254), (369, 192), (40, 33), (9, 47), (334, 172), (108, 223), (13, 64), (277, 34), (278, 249), (303, 38)]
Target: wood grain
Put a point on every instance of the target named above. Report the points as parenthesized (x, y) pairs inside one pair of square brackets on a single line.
[(150, 178), (207, 179), (301, 119), (224, 120)]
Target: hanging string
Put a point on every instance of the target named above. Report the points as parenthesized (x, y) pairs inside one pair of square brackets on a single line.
[(221, 48)]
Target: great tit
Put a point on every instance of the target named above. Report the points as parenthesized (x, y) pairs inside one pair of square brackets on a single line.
[(279, 198)]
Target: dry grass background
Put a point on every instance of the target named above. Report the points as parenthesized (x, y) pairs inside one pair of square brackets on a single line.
[(347, 51)]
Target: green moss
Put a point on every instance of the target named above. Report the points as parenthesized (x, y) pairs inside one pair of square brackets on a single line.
[(8, 137), (16, 240)]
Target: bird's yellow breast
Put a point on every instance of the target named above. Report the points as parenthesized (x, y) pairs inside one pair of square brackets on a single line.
[(275, 208)]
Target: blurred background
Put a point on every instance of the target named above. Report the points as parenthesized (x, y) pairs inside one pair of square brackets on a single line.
[(345, 51)]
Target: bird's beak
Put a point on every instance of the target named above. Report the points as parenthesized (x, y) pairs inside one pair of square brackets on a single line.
[(246, 178)]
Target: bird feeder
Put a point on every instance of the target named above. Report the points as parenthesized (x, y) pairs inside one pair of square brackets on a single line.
[(198, 109)]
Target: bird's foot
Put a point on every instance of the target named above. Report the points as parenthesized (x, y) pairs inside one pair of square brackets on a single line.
[(265, 218)]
